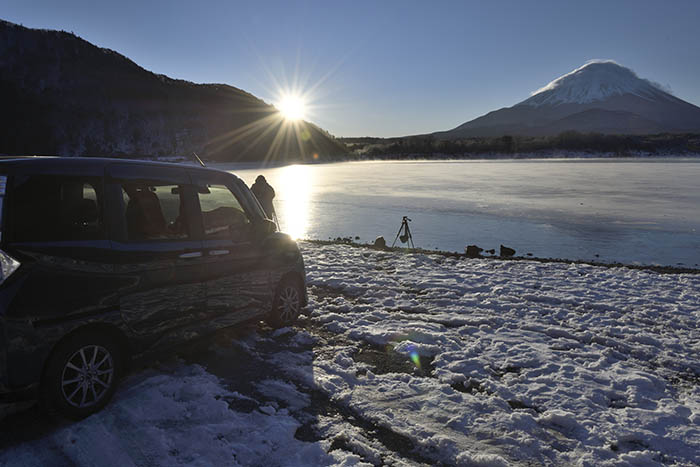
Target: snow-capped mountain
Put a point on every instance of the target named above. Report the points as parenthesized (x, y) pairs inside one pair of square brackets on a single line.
[(600, 96)]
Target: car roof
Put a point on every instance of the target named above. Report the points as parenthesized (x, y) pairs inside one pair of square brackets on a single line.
[(8, 163)]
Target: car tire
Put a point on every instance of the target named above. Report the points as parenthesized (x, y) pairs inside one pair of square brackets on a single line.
[(81, 375), (287, 304)]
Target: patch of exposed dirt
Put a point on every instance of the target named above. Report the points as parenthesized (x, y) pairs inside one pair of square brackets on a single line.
[(322, 405), (242, 368), (385, 360), (323, 292), (501, 372), (469, 387), (519, 405)]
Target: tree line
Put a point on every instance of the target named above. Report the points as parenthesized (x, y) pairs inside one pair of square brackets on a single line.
[(524, 146)]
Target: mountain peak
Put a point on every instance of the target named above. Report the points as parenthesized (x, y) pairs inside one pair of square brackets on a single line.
[(599, 97), (595, 81)]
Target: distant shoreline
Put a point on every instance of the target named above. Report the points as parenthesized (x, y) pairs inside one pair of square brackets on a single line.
[(559, 155), (566, 144), (445, 158), (529, 156)]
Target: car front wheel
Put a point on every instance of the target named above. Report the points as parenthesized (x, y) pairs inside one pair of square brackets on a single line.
[(81, 375), (287, 304)]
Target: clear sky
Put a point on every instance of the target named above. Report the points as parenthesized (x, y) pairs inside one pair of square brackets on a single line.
[(386, 68)]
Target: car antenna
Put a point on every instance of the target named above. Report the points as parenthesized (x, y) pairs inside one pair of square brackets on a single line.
[(196, 157)]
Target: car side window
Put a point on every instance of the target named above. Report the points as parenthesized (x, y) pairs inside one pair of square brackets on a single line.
[(222, 214), (55, 208), (154, 211)]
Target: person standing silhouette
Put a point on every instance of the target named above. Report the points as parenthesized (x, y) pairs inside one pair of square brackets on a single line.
[(265, 194)]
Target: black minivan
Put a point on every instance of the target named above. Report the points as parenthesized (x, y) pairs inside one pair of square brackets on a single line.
[(104, 259)]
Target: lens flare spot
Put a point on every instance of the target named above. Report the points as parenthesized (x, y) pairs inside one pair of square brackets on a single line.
[(415, 358)]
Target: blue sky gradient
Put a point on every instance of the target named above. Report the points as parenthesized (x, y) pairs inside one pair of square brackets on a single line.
[(387, 68)]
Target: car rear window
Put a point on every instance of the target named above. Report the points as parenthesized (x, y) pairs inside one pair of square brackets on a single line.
[(50, 208)]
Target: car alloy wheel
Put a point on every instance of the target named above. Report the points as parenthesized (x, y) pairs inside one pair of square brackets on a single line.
[(82, 374), (289, 304), (87, 376)]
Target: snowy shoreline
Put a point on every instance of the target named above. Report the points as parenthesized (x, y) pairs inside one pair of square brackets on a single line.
[(416, 359), (660, 269)]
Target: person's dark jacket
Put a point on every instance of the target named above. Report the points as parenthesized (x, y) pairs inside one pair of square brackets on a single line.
[(265, 194)]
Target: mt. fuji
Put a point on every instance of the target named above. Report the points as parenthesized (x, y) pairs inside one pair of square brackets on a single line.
[(600, 97)]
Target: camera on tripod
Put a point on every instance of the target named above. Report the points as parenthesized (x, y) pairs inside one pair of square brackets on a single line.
[(404, 233)]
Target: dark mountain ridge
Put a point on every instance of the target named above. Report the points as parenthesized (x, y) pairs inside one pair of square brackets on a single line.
[(63, 95)]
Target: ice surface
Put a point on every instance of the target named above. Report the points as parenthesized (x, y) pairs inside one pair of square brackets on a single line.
[(577, 209)]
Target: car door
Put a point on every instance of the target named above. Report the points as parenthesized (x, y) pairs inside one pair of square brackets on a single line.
[(158, 257), (237, 276)]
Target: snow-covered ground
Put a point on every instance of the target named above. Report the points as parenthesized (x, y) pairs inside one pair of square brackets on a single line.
[(421, 359)]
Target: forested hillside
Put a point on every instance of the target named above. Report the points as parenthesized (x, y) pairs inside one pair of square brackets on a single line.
[(62, 95)]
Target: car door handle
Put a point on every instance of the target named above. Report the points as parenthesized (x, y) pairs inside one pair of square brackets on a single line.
[(218, 252), (191, 254)]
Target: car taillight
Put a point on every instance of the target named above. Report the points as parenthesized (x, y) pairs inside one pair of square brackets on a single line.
[(8, 265)]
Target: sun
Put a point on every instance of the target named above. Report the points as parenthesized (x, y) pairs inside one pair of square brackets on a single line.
[(292, 107)]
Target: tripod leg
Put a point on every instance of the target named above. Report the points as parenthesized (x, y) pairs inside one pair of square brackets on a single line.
[(397, 236)]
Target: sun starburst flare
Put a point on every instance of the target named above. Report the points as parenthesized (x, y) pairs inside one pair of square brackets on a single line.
[(292, 107), (283, 133)]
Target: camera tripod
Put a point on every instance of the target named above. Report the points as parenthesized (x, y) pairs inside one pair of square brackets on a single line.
[(404, 233)]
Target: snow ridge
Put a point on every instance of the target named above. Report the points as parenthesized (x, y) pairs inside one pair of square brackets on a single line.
[(595, 81)]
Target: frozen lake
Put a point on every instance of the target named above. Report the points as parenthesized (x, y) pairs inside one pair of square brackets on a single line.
[(628, 210)]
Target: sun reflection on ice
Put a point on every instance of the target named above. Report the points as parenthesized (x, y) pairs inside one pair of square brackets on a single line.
[(294, 196)]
